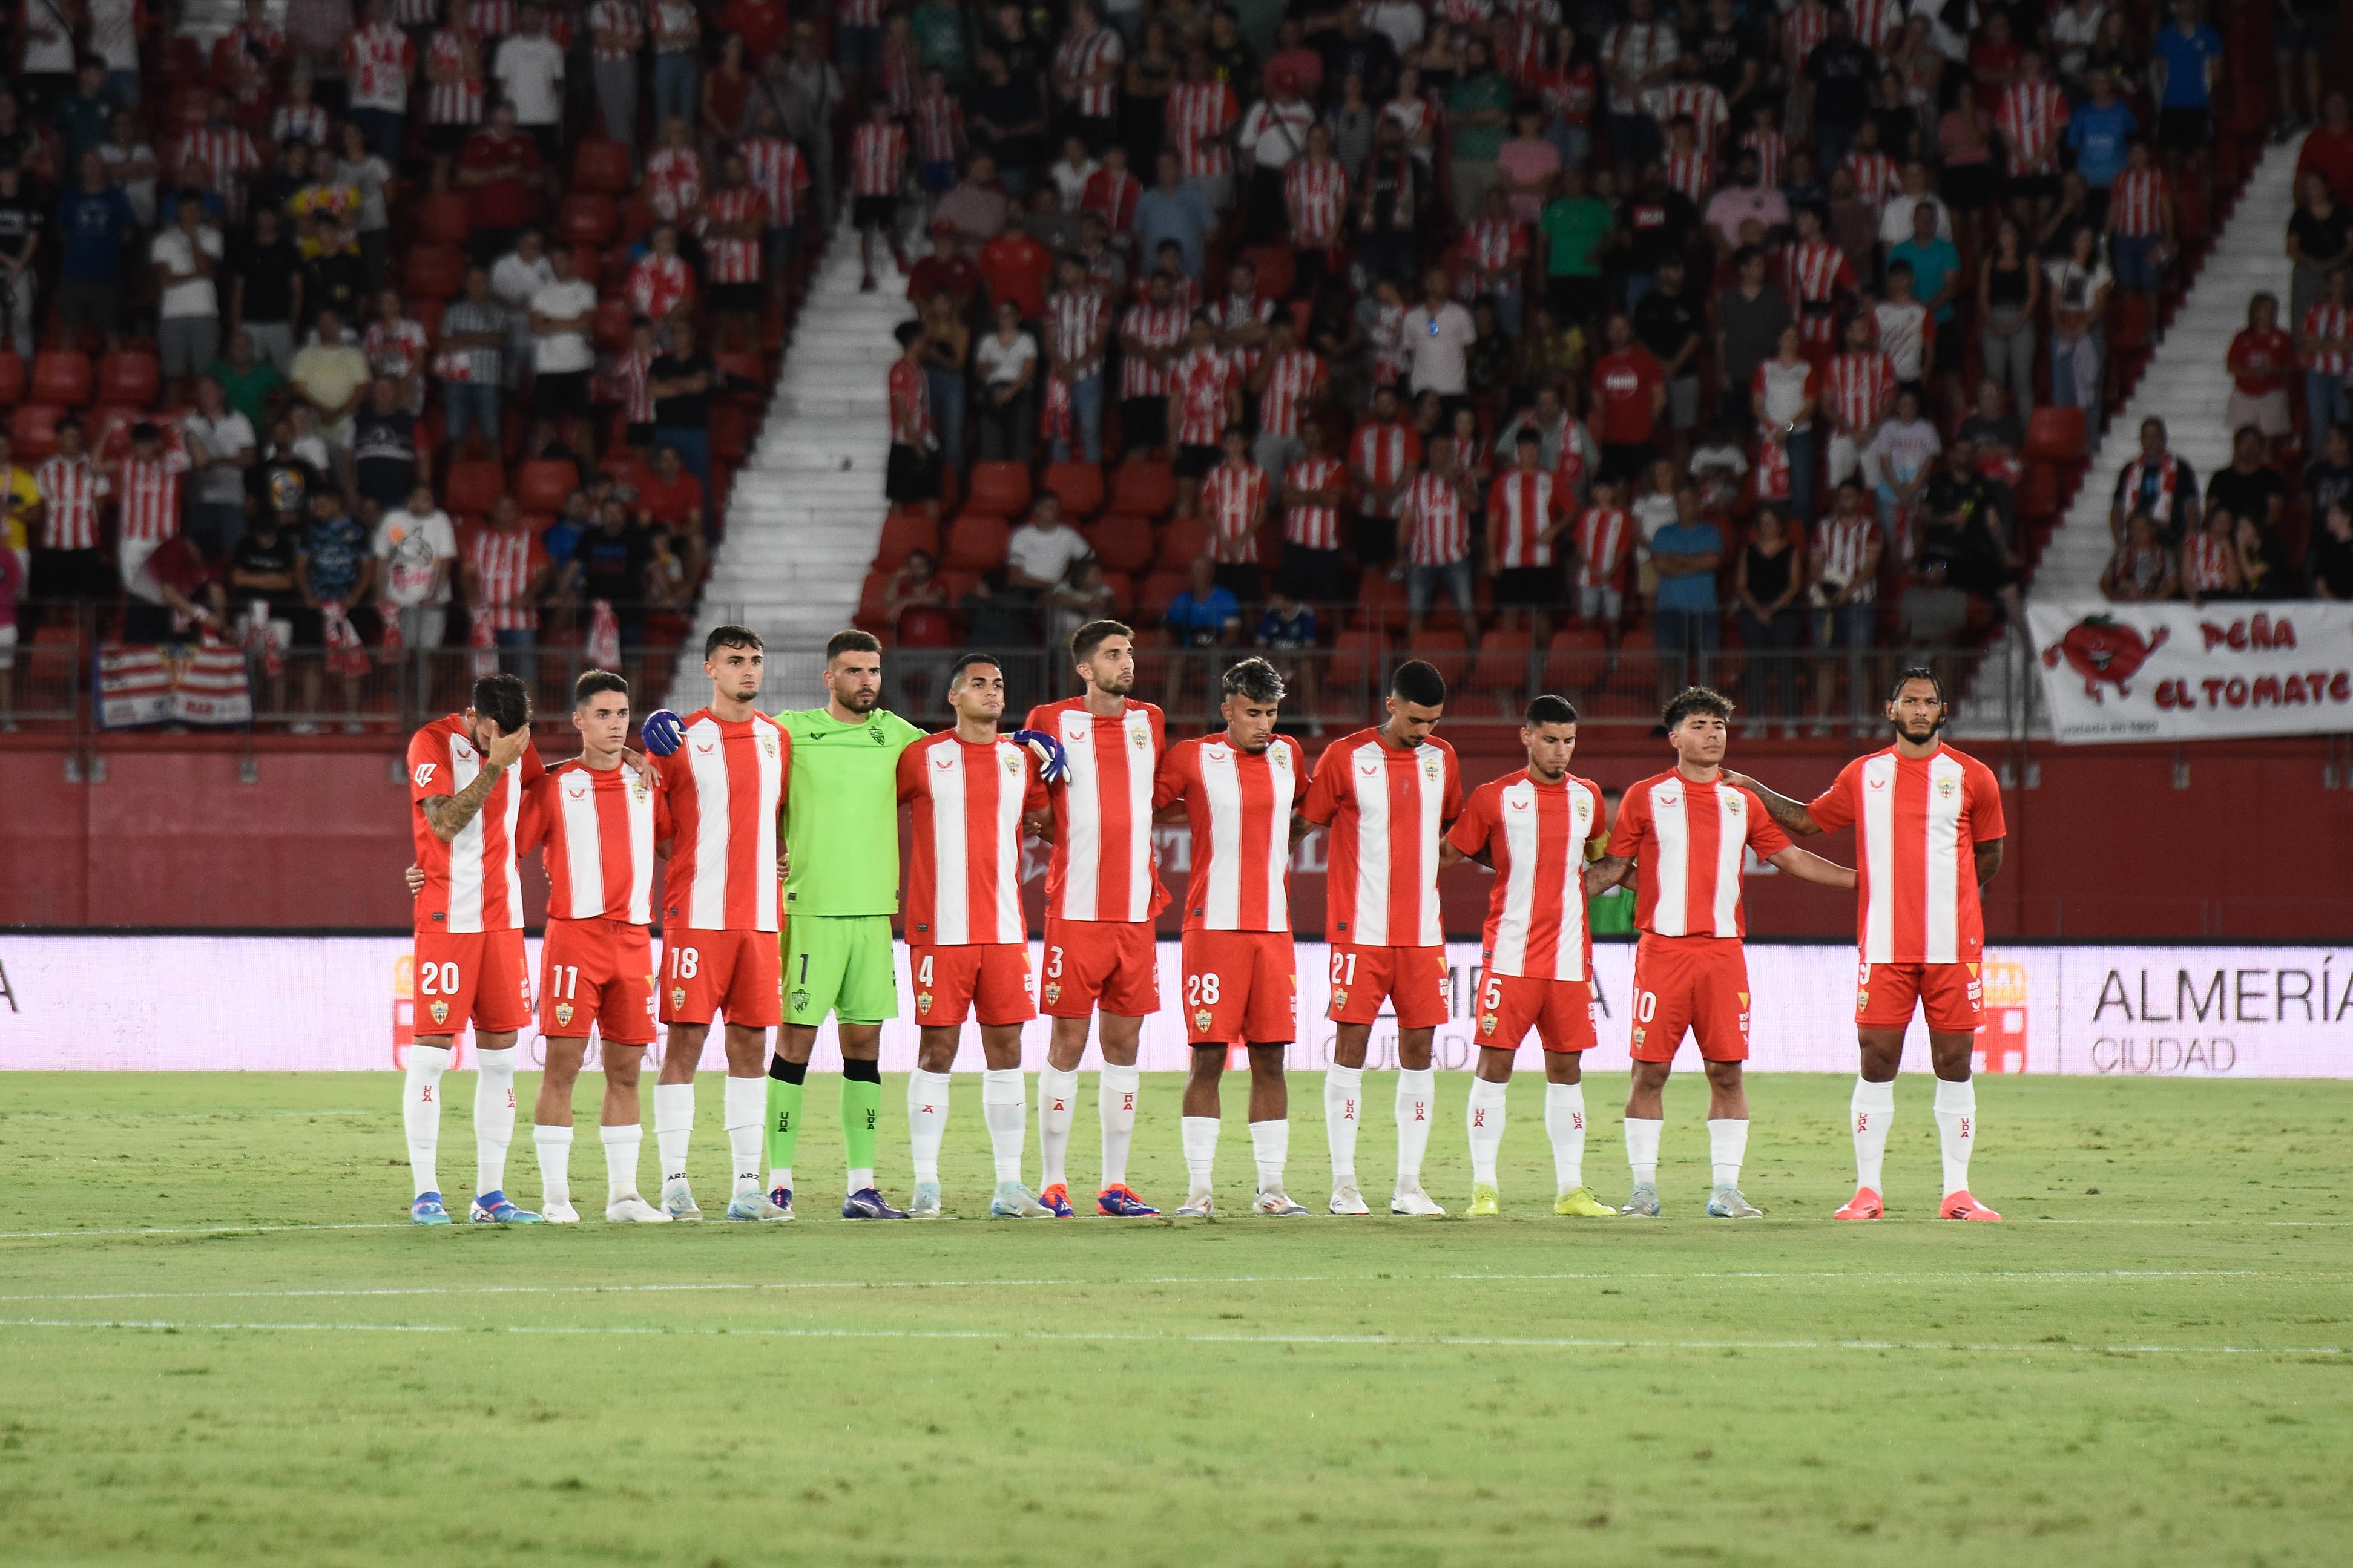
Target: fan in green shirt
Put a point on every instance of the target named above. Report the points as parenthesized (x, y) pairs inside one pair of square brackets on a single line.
[(842, 888)]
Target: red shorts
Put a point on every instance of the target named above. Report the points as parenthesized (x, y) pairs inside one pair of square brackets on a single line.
[(1113, 964), (738, 973), (600, 974), (475, 977), (1951, 995), (1414, 977), (1559, 1011), (1695, 983), (988, 980), (1240, 985)]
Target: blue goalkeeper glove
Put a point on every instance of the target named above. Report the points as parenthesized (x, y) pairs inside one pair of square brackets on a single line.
[(1052, 761), (661, 733)]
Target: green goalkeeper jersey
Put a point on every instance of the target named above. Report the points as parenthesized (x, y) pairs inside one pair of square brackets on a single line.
[(841, 817)]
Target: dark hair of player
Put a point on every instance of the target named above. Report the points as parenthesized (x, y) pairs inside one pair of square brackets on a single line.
[(1550, 710), (1910, 673), (592, 681), (502, 699), (1094, 634), (730, 636), (1418, 683), (1255, 681), (1694, 700), (966, 661), (840, 643)]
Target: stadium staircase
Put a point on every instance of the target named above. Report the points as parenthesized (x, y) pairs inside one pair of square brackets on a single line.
[(2184, 383), (801, 521)]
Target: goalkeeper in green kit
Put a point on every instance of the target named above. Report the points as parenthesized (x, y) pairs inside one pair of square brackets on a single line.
[(842, 888)]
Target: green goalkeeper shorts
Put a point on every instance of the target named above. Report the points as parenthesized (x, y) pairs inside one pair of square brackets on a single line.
[(840, 964)]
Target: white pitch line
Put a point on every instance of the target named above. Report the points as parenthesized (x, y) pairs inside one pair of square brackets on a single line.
[(693, 1287), (1376, 1341), (96, 1116)]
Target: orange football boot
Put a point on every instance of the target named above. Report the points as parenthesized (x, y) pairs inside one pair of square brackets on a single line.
[(1864, 1205), (1960, 1205)]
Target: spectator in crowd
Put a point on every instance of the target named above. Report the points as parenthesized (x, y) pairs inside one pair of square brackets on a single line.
[(2263, 565), (186, 256), (94, 224), (2325, 340), (331, 377), (2080, 285), (2332, 552), (388, 461), (1039, 554), (682, 382), (2210, 560), (502, 174), (2319, 241), (1685, 553), (335, 567), (2250, 487), (1006, 361), (1961, 523), (415, 549), (506, 575), (221, 446), (1175, 211), (1768, 581), (563, 315), (2158, 482), (2261, 360), (674, 498), (1206, 613), (1750, 317), (1081, 595), (471, 362), (2328, 477), (21, 223), (2009, 293), (266, 290)]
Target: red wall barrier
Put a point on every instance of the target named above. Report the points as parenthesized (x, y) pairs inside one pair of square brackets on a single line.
[(2247, 841)]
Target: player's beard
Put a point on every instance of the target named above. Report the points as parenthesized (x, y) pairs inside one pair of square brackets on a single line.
[(860, 702), (1118, 685), (1933, 730)]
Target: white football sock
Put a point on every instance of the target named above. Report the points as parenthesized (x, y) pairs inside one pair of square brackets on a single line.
[(1957, 1130), (1727, 1146), (494, 1116), (555, 1146), (621, 1146), (1344, 1104), (1642, 1149), (927, 1121), (421, 1113), (674, 1128), (782, 1176), (1564, 1123), (1115, 1106), (1005, 1106), (1417, 1097), (859, 1178), (1057, 1100), (1271, 1147), (744, 1113), (1200, 1137), (1874, 1112), (1485, 1119)]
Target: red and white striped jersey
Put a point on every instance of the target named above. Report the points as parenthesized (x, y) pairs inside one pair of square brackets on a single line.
[(1237, 311), (1384, 455), (632, 377), (781, 173), (1862, 388), (1488, 246), (1568, 89), (472, 883), (1385, 806), (1310, 525), (396, 349), (1233, 503), (1102, 866), (2030, 115), (968, 799), (1537, 836), (911, 406), (1239, 805), (732, 260), (1703, 101), (938, 121), (599, 830), (1919, 824), (1772, 466), (299, 123), (2137, 203), (621, 19), (1570, 469), (878, 160), (1818, 272), (858, 13), (1803, 29), (1442, 528), (1200, 380), (674, 180), (1785, 389), (1083, 54), (1840, 546), (1692, 172), (227, 154), (1152, 327), (459, 100), (1200, 117), (1315, 189), (415, 12), (2205, 565), (377, 61), (1112, 195), (1905, 333), (1876, 22), (492, 18), (1602, 541), (1293, 381), (2328, 324), (505, 560), (724, 789), (1078, 329), (69, 488), (1523, 503), (657, 283), (1685, 839), (1772, 149), (1874, 174), (1466, 13), (147, 490)]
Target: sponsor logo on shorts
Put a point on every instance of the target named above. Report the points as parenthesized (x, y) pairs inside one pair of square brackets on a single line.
[(1743, 1014), (1053, 991), (440, 1011), (1200, 1017), (562, 1013)]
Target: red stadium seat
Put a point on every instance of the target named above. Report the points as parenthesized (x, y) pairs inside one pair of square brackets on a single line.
[(904, 533), (33, 431), (1144, 487), (445, 217), (1183, 539), (62, 376), (435, 271), (1000, 489), (927, 628), (1123, 591), (1444, 650), (870, 615), (1350, 663), (730, 432), (628, 466), (12, 378), (1277, 272), (475, 484), (602, 166), (545, 484), (1159, 592), (587, 217), (612, 324), (1575, 658), (1122, 543), (427, 313), (976, 542), (2056, 436), (1080, 487), (1380, 602), (2037, 495), (129, 376), (1503, 661)]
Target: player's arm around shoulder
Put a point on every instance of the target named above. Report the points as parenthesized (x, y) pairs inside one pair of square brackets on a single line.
[(1793, 816), (1615, 864), (1466, 837), (1303, 793), (1171, 781)]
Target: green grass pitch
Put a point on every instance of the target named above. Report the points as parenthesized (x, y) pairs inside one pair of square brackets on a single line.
[(2152, 1364)]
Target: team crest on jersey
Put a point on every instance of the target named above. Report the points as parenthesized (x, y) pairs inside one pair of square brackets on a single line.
[(1139, 739), (768, 745), (638, 790), (923, 1001), (1053, 992), (1487, 1022), (564, 1013), (678, 998), (1012, 762), (800, 1000), (1201, 1018), (1429, 767), (875, 730), (440, 1011), (1734, 804), (1947, 786)]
